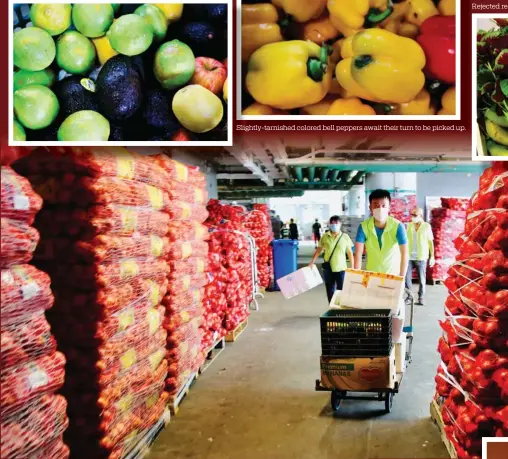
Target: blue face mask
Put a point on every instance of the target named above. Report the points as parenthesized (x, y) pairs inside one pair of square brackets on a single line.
[(335, 227)]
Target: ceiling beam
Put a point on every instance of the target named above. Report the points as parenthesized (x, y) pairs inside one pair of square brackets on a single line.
[(247, 161), (239, 176)]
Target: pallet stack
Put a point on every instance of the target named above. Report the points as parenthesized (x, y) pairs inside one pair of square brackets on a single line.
[(33, 417), (471, 383), (104, 243), (187, 276)]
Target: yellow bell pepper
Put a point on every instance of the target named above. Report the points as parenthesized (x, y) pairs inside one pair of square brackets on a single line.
[(383, 67), (352, 106), (448, 102), (447, 7), (301, 10), (259, 27), (321, 108), (336, 54), (289, 74), (260, 109), (397, 22), (350, 16), (318, 30), (419, 10), (420, 105)]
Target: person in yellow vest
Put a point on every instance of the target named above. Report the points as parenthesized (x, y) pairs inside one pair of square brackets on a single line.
[(383, 237), (336, 246), (421, 249)]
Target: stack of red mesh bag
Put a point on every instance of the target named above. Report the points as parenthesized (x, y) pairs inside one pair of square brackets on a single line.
[(402, 206), (447, 223), (104, 243), (472, 380), (229, 293), (188, 256), (259, 225), (33, 418)]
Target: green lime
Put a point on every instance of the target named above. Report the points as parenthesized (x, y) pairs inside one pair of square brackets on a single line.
[(23, 78), (19, 133), (130, 35), (34, 49), (174, 64), (116, 7), (85, 125), (75, 53), (54, 18), (156, 18), (92, 20), (36, 106)]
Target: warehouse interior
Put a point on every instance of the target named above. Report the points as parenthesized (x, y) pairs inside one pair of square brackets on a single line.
[(257, 391)]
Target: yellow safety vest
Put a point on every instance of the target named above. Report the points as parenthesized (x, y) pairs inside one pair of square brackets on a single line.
[(422, 240), (385, 259)]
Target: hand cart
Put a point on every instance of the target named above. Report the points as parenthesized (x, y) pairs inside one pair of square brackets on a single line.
[(385, 395)]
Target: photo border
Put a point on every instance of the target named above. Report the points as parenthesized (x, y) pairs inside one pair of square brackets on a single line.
[(487, 440), (241, 117), (230, 86), (474, 102)]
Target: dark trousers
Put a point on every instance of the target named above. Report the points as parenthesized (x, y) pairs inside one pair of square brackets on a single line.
[(421, 269), (333, 281)]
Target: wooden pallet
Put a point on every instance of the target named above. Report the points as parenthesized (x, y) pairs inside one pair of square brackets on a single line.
[(232, 336), (213, 353), (175, 402), (435, 414), (142, 447)]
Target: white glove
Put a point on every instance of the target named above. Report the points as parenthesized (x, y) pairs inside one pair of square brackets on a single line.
[(432, 262)]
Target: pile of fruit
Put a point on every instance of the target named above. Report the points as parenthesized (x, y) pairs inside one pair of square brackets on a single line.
[(492, 72), (104, 244), (33, 418), (447, 224), (187, 275), (259, 226), (99, 72), (309, 58), (472, 379), (229, 293), (401, 207)]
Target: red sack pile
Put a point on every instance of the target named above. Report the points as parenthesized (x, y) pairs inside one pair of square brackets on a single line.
[(455, 203), (472, 380), (259, 225), (446, 225), (229, 293), (33, 418), (402, 206), (187, 277), (104, 244)]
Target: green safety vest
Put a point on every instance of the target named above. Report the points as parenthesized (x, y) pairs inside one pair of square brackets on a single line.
[(422, 240), (386, 259)]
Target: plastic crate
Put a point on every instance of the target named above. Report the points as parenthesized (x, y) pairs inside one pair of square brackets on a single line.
[(356, 333)]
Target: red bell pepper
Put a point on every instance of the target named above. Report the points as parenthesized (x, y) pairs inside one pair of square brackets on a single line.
[(437, 38)]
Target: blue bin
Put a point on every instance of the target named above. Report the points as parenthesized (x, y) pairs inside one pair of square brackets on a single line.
[(285, 258)]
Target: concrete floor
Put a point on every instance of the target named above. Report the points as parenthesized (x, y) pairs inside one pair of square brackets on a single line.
[(257, 400)]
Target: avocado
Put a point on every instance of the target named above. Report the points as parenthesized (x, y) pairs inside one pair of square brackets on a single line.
[(201, 37), (216, 14), (116, 133), (120, 88), (48, 134), (157, 111), (74, 95)]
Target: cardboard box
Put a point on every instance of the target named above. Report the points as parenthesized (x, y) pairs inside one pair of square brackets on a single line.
[(370, 290), (398, 324), (359, 374), (335, 303), (400, 353), (299, 282)]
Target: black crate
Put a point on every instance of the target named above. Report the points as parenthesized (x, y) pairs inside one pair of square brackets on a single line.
[(356, 333)]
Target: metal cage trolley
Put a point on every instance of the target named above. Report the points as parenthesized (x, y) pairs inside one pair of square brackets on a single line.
[(354, 334)]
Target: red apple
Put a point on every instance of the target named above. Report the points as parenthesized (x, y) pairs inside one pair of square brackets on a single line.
[(225, 63), (181, 136), (210, 74)]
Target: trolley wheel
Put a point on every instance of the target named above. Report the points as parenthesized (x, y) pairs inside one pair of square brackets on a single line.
[(336, 399), (389, 402)]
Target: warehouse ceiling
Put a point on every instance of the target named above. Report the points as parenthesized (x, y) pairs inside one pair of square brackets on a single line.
[(273, 168)]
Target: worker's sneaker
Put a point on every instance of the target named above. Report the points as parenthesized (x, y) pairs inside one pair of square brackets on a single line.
[(420, 302)]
